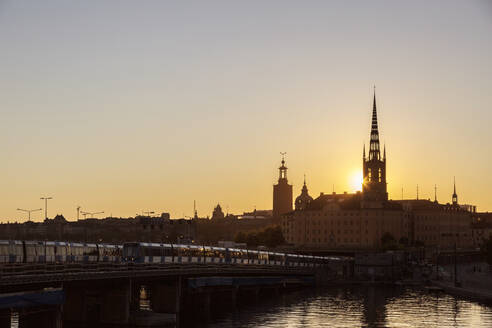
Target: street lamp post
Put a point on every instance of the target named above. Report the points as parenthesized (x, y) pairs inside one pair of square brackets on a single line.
[(29, 212), (46, 205)]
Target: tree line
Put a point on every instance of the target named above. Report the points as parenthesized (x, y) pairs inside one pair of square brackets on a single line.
[(270, 236)]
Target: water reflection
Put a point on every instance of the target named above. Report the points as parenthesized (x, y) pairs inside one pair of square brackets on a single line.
[(358, 307)]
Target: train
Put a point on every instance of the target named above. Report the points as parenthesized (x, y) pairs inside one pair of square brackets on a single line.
[(30, 251), (16, 251)]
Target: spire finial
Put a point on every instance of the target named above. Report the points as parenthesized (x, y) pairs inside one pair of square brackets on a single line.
[(364, 152), (374, 99), (435, 193), (374, 152), (283, 157), (304, 178)]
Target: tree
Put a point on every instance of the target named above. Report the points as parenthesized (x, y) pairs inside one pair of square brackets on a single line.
[(252, 239), (241, 237), (271, 236), (403, 241)]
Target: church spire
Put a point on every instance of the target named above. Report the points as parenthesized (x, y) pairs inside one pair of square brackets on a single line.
[(374, 167), (374, 152), (455, 196)]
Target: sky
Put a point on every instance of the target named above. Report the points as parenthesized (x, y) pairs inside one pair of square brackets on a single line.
[(132, 106)]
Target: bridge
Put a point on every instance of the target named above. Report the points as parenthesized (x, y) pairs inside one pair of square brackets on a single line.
[(47, 294)]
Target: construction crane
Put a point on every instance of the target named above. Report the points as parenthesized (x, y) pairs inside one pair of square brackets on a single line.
[(29, 212), (78, 211), (90, 213), (148, 213)]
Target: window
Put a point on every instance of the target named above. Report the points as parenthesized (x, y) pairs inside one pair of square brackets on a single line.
[(379, 175)]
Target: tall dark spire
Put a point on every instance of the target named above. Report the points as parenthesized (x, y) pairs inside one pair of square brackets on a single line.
[(374, 167), (455, 196), (374, 152)]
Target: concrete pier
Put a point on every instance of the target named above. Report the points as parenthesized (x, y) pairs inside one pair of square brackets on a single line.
[(166, 296), (5, 318), (105, 304), (40, 317)]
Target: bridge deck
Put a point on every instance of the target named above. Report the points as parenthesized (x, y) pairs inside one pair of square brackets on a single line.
[(28, 274)]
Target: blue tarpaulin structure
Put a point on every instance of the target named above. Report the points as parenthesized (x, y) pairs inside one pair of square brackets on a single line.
[(32, 298)]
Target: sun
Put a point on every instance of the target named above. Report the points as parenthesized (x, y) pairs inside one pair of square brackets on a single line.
[(356, 181)]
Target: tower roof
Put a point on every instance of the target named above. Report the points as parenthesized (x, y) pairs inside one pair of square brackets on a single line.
[(374, 152), (282, 169)]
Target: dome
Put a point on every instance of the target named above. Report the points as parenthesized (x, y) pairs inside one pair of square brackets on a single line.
[(303, 200)]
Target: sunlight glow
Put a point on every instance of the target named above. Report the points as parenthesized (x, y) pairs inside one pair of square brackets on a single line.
[(356, 180)]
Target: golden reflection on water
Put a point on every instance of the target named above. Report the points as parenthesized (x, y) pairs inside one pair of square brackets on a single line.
[(360, 307)]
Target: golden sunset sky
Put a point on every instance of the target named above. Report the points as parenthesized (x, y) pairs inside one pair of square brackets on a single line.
[(129, 106)]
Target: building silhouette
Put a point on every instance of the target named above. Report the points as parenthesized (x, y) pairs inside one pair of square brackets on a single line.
[(360, 220), (303, 200), (282, 193), (218, 214)]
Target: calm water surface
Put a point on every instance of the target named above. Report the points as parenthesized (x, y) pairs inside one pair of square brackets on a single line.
[(359, 307)]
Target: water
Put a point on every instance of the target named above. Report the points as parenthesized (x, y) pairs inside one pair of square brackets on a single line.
[(359, 307)]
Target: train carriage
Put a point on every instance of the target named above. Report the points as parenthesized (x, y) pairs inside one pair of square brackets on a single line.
[(83, 253), (277, 258), (50, 251), (195, 254), (62, 252), (34, 251), (11, 251), (148, 253), (109, 253), (237, 256)]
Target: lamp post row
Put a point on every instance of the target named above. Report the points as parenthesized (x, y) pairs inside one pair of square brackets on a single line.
[(38, 209), (78, 210)]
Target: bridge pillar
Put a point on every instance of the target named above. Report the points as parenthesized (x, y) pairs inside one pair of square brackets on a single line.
[(200, 302), (5, 318), (74, 308), (46, 317), (166, 296), (115, 305), (105, 304)]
